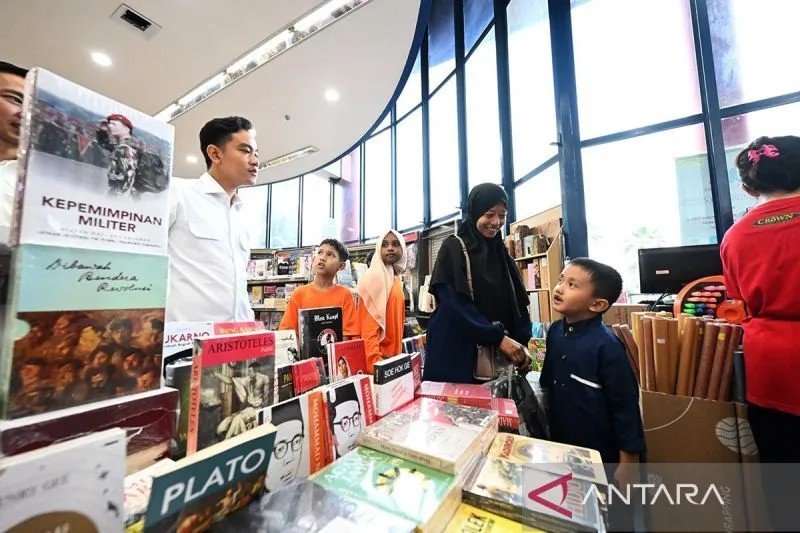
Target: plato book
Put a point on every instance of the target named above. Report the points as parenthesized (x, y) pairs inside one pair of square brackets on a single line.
[(93, 172)]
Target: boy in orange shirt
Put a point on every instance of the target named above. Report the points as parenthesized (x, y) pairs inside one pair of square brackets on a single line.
[(330, 258)]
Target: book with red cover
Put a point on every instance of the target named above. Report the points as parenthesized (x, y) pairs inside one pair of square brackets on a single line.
[(233, 376), (350, 409), (463, 393), (307, 374), (416, 369), (506, 409), (347, 358)]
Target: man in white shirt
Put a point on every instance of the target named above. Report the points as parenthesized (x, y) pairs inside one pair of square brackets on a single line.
[(208, 243), (12, 85)]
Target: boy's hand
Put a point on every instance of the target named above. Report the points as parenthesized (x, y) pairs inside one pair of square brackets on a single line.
[(627, 472)]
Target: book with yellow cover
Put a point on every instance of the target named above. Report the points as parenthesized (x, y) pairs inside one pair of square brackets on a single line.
[(469, 519)]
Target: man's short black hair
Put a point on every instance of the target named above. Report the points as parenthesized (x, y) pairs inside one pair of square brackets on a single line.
[(607, 281), (340, 248), (8, 68), (218, 131)]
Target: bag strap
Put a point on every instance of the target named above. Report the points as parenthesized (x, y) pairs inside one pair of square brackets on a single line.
[(469, 269)]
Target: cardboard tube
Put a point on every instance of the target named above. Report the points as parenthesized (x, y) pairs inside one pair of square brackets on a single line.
[(638, 336), (628, 335), (661, 341), (727, 369), (699, 330), (649, 361), (685, 359), (673, 344), (723, 339), (706, 359), (632, 357)]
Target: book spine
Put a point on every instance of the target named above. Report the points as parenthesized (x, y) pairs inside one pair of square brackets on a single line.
[(392, 448), (318, 444), (194, 403), (25, 149)]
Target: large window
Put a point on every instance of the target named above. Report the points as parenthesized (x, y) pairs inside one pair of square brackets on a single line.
[(634, 63), (533, 113), (478, 14), (347, 198), (254, 211), (441, 47), (378, 184), (483, 126), (540, 193), (649, 191), (317, 223), (445, 196), (409, 171), (284, 211), (411, 95)]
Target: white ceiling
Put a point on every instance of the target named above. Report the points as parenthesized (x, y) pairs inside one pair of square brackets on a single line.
[(362, 56)]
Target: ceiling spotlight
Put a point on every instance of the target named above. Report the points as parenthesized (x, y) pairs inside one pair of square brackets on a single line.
[(331, 95), (191, 159), (101, 59)]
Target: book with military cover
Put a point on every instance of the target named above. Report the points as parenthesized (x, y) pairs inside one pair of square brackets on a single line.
[(93, 172)]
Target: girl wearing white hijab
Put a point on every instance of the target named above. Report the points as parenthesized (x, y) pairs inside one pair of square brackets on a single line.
[(381, 308)]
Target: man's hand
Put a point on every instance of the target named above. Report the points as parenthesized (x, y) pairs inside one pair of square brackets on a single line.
[(627, 473)]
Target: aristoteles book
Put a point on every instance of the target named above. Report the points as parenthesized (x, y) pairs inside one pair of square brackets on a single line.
[(394, 383), (469, 519), (233, 377), (81, 326), (350, 410), (424, 495), (302, 444), (442, 435), (584, 463), (93, 173), (346, 358), (535, 497), (319, 327), (72, 486), (201, 489), (465, 394)]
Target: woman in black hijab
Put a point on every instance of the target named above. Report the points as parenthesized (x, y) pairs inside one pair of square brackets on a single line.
[(460, 323)]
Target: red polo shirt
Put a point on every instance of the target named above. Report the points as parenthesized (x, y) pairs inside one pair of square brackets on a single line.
[(761, 263)]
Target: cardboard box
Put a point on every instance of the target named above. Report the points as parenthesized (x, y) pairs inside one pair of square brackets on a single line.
[(621, 313)]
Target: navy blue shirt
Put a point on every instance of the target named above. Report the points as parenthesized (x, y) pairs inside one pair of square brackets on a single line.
[(593, 394)]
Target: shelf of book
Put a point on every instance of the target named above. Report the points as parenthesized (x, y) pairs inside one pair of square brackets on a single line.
[(530, 257), (277, 281)]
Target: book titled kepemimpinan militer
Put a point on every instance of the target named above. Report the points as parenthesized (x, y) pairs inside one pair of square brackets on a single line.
[(93, 173)]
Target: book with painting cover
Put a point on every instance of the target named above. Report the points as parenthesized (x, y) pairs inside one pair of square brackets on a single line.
[(583, 463), (93, 172), (98, 336), (463, 393), (441, 435), (302, 443), (285, 382), (136, 494), (233, 376), (393, 383), (346, 358), (203, 488), (307, 375), (426, 496), (286, 349), (469, 519), (318, 328), (311, 508), (72, 486), (350, 410), (535, 497)]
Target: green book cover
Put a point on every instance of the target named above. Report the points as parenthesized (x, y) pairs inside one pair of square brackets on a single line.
[(396, 485)]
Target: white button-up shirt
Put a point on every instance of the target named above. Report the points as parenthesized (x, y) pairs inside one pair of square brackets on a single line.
[(208, 249), (8, 181)]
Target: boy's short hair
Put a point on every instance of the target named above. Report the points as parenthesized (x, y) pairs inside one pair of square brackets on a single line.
[(607, 281), (340, 248)]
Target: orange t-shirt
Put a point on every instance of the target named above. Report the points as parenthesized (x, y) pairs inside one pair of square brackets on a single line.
[(392, 343), (309, 297)]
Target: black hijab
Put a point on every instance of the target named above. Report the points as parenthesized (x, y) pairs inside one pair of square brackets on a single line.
[(499, 292)]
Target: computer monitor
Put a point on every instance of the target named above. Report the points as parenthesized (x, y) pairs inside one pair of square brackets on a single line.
[(667, 270)]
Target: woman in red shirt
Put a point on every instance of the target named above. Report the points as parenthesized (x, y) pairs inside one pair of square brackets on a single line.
[(760, 258)]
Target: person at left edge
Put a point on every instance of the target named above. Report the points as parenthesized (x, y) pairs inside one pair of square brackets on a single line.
[(12, 85), (208, 243)]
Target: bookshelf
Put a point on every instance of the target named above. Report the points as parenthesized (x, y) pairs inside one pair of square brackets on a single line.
[(550, 263)]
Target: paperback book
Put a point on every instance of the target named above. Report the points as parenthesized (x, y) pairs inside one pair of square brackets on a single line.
[(469, 519), (179, 377), (462, 393), (136, 494), (233, 376), (72, 486), (302, 445), (583, 463), (98, 336), (318, 328), (285, 383), (441, 435), (195, 492), (393, 383), (537, 498), (93, 173), (179, 336), (307, 375), (416, 370), (415, 344), (406, 489), (286, 350), (350, 410), (346, 358), (506, 409)]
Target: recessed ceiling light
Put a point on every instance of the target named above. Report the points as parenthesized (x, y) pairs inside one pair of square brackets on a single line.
[(191, 159), (101, 59), (331, 95)]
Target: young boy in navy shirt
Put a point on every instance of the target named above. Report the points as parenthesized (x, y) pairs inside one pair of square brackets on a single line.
[(593, 394)]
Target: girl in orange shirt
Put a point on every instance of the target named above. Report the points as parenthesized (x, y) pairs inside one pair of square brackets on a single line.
[(381, 308)]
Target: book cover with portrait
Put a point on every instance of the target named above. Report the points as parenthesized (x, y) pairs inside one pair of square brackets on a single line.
[(81, 326), (318, 328), (233, 377), (302, 446), (286, 348), (93, 172), (346, 359), (350, 410), (72, 486)]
